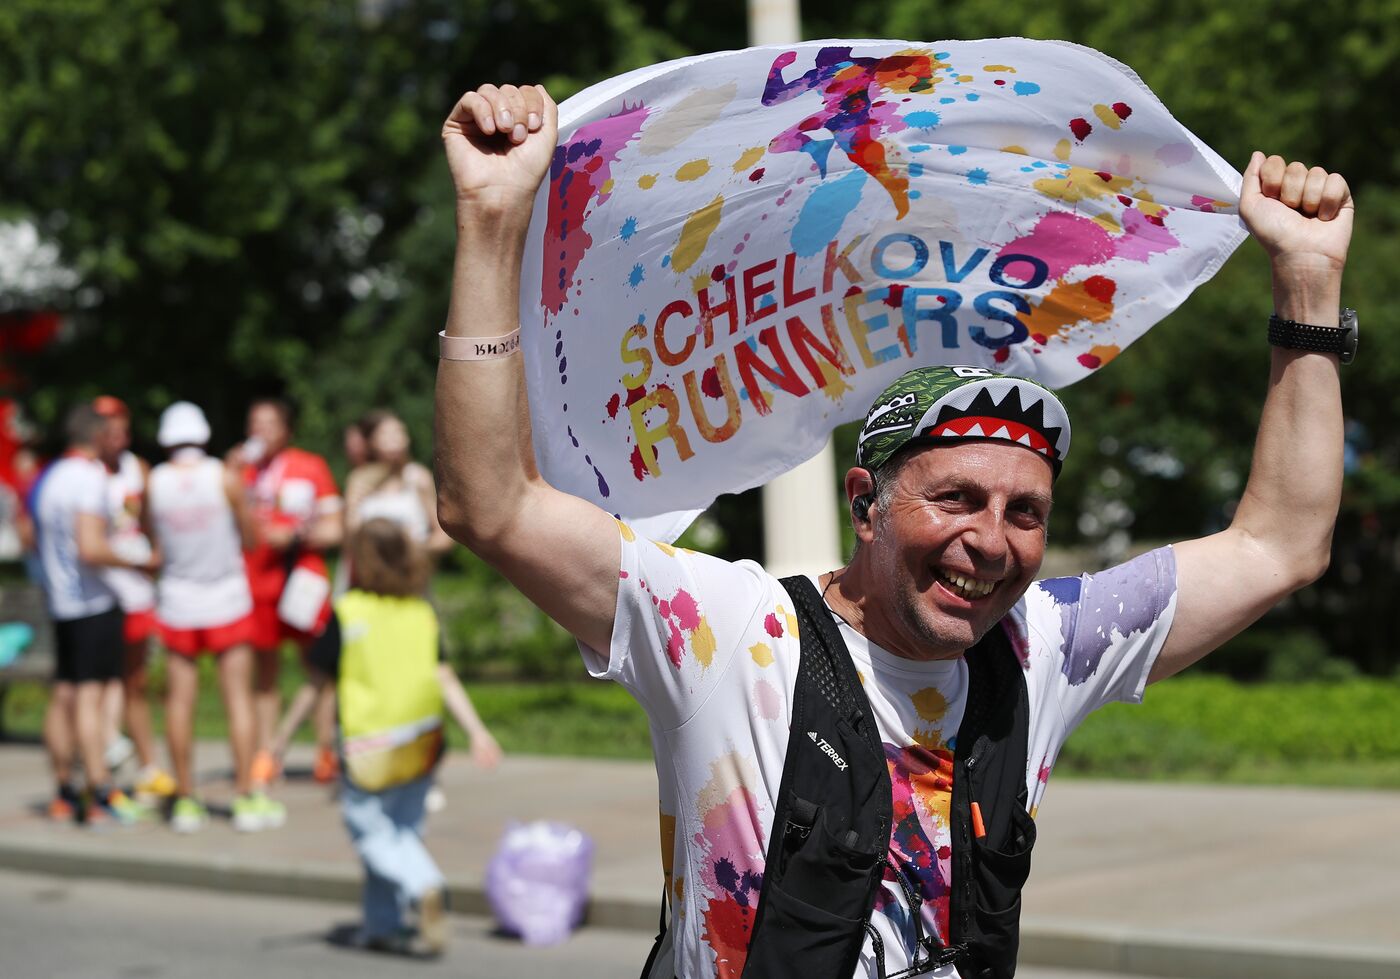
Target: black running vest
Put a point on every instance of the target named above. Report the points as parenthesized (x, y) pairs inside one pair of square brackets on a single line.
[(831, 829)]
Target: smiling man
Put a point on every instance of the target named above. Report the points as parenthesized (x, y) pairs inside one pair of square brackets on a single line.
[(850, 765)]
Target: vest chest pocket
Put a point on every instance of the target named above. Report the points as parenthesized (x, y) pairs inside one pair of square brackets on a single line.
[(1001, 870), (819, 867), (795, 932), (814, 903)]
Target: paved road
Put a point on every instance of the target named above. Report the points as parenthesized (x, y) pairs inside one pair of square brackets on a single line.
[(1155, 878), (90, 929)]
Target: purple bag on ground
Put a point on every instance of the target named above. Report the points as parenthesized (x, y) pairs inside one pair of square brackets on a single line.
[(537, 882)]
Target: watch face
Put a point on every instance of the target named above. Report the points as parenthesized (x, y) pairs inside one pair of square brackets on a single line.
[(1351, 338)]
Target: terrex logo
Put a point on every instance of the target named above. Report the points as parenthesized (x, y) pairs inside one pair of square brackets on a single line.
[(828, 750)]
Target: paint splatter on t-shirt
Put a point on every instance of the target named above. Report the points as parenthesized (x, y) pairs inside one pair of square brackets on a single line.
[(711, 650), (1125, 601)]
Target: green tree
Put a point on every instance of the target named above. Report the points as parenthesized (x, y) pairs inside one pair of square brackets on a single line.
[(252, 190), (1166, 431), (253, 194)]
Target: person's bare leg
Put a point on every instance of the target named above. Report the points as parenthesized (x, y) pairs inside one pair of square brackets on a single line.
[(182, 678), (324, 718), (59, 737), (138, 705), (236, 687), (113, 705), (88, 722), (303, 703), (267, 699)]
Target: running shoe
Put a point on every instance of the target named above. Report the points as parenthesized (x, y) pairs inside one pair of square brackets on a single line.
[(189, 815), (119, 751), (61, 810), (327, 767), (255, 812), (274, 813), (153, 785), (93, 816), (117, 807), (246, 817), (266, 768)]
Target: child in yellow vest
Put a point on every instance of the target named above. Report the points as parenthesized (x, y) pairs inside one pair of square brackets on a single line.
[(392, 687)]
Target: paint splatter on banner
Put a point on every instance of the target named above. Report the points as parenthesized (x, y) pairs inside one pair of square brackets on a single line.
[(735, 253)]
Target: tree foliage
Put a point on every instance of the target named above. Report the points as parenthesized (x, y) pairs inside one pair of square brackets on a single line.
[(252, 193), (252, 190)]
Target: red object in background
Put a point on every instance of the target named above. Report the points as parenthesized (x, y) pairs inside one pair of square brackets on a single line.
[(20, 333), (25, 333), (9, 445)]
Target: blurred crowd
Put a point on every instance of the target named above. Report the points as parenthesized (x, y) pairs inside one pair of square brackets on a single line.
[(228, 557)]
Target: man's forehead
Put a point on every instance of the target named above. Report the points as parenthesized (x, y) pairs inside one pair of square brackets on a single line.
[(990, 464)]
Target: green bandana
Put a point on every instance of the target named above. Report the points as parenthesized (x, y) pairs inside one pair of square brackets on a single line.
[(930, 404)]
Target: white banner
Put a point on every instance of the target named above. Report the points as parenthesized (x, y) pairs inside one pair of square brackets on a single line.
[(735, 253)]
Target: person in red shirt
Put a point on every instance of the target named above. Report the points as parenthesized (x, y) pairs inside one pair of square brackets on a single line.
[(297, 513)]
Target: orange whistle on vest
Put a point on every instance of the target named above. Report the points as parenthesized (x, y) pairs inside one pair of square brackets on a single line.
[(979, 828)]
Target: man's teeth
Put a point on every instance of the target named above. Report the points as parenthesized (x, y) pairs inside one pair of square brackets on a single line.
[(967, 587)]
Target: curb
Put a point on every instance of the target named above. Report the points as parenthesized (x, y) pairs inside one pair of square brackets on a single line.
[(315, 882), (1094, 946), (1050, 942)]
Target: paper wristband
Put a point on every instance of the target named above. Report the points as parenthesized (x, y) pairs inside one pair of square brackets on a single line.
[(478, 348)]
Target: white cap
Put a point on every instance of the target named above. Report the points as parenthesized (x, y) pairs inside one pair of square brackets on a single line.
[(183, 423)]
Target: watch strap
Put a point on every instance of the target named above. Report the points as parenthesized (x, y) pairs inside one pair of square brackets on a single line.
[(1307, 336)]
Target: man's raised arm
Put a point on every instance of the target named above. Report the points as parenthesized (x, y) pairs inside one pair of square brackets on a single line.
[(1281, 535), (560, 551)]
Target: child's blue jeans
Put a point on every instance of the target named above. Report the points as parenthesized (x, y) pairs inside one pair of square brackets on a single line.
[(386, 828)]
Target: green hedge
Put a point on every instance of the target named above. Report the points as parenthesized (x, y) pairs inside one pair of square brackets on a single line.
[(589, 718), (1202, 726)]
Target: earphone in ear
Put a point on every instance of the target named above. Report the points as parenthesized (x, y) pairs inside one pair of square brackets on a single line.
[(860, 506)]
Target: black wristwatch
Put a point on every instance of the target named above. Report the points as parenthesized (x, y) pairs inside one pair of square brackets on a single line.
[(1340, 339)]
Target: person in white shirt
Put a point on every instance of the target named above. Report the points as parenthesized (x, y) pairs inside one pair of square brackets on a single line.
[(72, 524), (951, 513), (392, 485), (199, 514), (128, 701), (389, 484)]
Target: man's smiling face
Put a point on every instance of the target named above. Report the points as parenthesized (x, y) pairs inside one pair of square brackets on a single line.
[(957, 538)]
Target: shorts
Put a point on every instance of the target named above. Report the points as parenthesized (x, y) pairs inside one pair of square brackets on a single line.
[(269, 631), (214, 639), (139, 626), (90, 649)]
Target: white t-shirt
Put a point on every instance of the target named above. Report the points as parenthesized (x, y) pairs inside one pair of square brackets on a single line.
[(203, 581), (71, 486), (401, 503), (126, 490), (711, 651)]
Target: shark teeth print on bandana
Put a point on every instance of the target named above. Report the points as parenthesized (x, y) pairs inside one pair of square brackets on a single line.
[(929, 404), (996, 411)]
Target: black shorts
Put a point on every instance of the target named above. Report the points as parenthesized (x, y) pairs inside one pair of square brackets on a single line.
[(90, 649)]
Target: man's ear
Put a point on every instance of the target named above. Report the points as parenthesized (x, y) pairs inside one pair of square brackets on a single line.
[(860, 490)]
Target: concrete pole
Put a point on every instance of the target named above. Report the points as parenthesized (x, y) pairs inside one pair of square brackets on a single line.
[(800, 533), (800, 530), (774, 22)]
